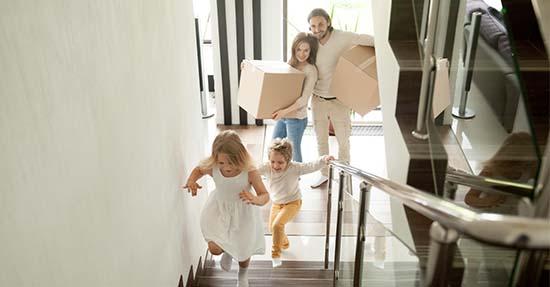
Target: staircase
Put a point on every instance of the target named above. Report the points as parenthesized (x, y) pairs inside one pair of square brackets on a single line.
[(310, 274)]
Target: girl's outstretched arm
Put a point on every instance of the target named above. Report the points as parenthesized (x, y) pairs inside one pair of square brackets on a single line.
[(309, 167), (195, 175), (262, 196)]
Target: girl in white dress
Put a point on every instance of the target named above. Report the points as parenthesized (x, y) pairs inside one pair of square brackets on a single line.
[(230, 220)]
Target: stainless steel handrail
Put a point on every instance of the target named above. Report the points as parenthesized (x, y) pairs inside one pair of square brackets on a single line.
[(488, 184), (498, 229)]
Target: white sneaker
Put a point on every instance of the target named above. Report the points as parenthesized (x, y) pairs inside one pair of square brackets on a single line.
[(242, 283), (319, 181), (225, 262), (277, 262)]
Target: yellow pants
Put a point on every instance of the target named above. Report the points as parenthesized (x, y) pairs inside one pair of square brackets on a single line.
[(280, 215)]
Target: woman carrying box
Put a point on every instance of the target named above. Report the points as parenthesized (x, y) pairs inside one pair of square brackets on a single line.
[(292, 120)]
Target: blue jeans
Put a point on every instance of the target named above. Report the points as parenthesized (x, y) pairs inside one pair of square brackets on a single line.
[(293, 129)]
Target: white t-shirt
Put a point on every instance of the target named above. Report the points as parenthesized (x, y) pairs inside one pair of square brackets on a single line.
[(329, 53), (283, 186)]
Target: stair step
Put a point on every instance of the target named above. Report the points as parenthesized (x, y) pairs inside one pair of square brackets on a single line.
[(300, 270), (223, 282), (280, 273), (272, 273), (265, 264)]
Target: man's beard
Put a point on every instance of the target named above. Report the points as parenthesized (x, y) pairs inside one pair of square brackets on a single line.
[(323, 35)]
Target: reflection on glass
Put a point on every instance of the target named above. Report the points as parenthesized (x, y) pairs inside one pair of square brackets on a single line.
[(514, 161), (379, 250), (498, 141)]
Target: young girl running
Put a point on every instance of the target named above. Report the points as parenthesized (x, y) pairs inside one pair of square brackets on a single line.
[(282, 175), (230, 220)]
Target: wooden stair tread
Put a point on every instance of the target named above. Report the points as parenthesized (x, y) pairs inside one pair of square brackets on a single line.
[(222, 282), (261, 264), (311, 273)]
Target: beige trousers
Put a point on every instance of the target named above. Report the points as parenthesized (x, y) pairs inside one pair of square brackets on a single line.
[(340, 118), (280, 215)]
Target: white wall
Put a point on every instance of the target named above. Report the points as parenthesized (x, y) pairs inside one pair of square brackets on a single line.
[(272, 30), (397, 156), (388, 77), (99, 123)]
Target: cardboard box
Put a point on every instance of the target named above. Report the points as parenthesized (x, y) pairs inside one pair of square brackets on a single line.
[(354, 81), (267, 86)]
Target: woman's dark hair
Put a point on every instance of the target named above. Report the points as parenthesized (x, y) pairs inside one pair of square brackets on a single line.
[(320, 12), (313, 47)]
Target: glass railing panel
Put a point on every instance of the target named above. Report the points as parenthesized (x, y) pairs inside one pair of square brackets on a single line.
[(486, 265), (349, 239), (387, 261), (480, 264), (490, 120)]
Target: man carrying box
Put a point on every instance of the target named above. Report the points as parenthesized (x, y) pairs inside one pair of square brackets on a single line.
[(332, 44)]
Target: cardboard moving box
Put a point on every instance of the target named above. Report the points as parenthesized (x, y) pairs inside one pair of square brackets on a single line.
[(267, 86), (354, 81)]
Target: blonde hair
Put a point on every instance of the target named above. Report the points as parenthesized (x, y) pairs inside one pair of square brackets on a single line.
[(313, 47), (282, 146), (228, 142)]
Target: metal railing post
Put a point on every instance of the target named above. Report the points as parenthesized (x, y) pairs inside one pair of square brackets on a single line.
[(329, 208), (462, 112), (529, 267), (338, 241), (450, 190), (441, 254), (427, 72), (203, 90), (361, 234)]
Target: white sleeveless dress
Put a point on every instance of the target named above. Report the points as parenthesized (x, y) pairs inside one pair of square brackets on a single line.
[(232, 224)]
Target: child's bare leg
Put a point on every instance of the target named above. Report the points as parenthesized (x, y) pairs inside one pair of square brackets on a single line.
[(214, 248), (244, 264), (225, 262)]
